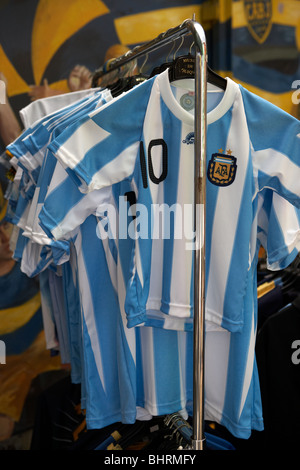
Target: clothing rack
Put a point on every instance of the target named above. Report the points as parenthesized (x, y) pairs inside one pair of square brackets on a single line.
[(190, 27)]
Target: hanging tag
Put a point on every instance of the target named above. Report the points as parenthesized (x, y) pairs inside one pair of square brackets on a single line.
[(184, 67)]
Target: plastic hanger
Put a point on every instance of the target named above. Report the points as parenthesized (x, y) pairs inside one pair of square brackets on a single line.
[(126, 83), (162, 67), (183, 67)]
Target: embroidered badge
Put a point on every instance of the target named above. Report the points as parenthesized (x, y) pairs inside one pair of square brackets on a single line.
[(190, 138), (221, 169), (259, 18)]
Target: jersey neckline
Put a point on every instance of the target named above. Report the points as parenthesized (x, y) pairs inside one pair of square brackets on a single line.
[(215, 114)]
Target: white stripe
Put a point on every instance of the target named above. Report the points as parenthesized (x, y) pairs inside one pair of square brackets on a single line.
[(80, 142), (137, 264), (31, 214), (31, 257), (37, 233), (226, 216), (262, 217), (129, 332), (288, 220), (88, 312), (111, 264), (117, 278), (69, 113), (183, 257), (153, 129), (253, 240), (30, 161), (183, 365), (23, 219), (79, 212), (116, 170), (249, 366), (121, 291), (148, 354), (217, 348), (14, 163), (59, 175)]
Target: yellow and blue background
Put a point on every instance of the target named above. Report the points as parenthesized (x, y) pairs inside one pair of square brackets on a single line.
[(257, 43), (21, 330)]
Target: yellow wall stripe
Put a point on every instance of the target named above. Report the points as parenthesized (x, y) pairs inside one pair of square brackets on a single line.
[(17, 374), (282, 100), (15, 84), (3, 211), (55, 22), (143, 27), (284, 13), (61, 85), (224, 10), (15, 317)]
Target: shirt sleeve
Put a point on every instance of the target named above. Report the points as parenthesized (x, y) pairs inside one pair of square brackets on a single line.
[(61, 215), (102, 149), (274, 146), (278, 229)]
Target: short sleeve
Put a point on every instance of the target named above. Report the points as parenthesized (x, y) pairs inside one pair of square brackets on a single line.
[(61, 215), (278, 229), (102, 149), (275, 147)]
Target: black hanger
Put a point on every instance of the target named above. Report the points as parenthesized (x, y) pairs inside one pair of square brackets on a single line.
[(125, 84), (292, 285), (290, 272), (160, 68), (216, 79), (184, 67), (122, 80)]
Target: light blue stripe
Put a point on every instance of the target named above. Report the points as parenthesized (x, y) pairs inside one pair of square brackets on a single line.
[(217, 134), (239, 349), (280, 129), (273, 182), (166, 367), (105, 313), (237, 275), (125, 123), (172, 137)]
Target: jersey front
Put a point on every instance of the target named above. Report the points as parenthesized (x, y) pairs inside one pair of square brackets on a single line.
[(157, 158), (147, 137)]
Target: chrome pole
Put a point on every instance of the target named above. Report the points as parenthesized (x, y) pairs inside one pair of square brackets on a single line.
[(198, 441), (191, 27)]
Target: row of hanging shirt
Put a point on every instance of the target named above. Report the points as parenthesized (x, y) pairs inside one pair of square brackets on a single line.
[(128, 292)]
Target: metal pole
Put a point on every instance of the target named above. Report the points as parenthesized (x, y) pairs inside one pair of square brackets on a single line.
[(164, 38), (198, 441)]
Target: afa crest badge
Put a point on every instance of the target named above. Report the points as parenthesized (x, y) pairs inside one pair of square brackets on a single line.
[(259, 18), (221, 169)]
